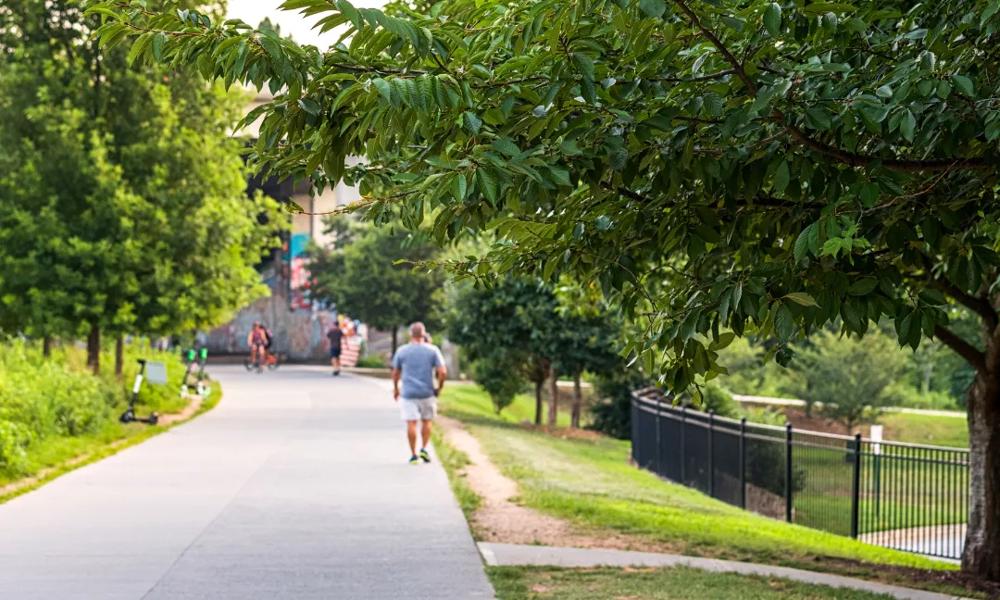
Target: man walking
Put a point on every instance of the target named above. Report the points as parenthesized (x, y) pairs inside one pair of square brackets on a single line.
[(334, 336), (417, 364)]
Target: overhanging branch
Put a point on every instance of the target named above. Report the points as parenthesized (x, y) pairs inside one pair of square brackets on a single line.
[(961, 347), (849, 158)]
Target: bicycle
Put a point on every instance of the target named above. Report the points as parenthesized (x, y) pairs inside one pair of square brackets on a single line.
[(265, 358)]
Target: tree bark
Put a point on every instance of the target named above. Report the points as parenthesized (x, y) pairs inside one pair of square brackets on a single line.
[(94, 349), (47, 346), (574, 419), (981, 556), (538, 401), (119, 355), (395, 339), (553, 397)]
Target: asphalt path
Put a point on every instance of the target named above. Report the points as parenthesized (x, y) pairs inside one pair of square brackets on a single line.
[(295, 486)]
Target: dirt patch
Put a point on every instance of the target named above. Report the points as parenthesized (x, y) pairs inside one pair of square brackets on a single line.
[(908, 576), (192, 408), (500, 519)]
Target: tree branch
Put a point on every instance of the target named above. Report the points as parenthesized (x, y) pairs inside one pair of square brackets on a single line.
[(730, 58), (848, 158), (980, 306), (961, 347)]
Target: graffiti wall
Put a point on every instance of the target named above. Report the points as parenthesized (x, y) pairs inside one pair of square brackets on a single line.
[(299, 334)]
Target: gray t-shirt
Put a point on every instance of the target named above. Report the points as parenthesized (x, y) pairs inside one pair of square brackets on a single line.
[(417, 362)]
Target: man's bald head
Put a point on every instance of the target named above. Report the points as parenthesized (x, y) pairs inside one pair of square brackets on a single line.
[(418, 331)]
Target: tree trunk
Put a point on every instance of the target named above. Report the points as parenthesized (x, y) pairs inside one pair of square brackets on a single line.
[(538, 401), (47, 346), (119, 355), (577, 402), (395, 340), (553, 397), (981, 556), (94, 349)]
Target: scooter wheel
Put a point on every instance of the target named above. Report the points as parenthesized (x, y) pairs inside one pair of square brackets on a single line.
[(154, 419)]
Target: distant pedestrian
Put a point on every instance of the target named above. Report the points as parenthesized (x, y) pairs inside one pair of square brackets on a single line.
[(335, 335), (417, 365)]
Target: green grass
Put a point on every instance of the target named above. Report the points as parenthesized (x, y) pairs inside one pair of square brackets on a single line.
[(590, 482), (468, 402), (926, 429), (540, 583), (56, 456), (453, 461)]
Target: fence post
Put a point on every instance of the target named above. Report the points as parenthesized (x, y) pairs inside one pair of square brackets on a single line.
[(711, 453), (856, 487), (743, 462), (659, 470), (683, 444), (788, 472)]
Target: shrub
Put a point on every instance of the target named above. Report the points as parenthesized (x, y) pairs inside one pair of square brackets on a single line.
[(612, 412), (372, 361), (499, 379)]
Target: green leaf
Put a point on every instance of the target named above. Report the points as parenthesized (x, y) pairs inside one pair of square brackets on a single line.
[(472, 122), (459, 187), (884, 91), (802, 299), (863, 287), (784, 322), (653, 8), (383, 88), (772, 19), (781, 177), (964, 85), (907, 125)]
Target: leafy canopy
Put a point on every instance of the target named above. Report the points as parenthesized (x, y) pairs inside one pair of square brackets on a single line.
[(713, 165)]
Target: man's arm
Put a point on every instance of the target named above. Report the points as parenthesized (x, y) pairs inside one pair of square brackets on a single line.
[(442, 375), (395, 384)]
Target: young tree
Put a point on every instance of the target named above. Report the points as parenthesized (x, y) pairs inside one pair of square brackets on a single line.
[(745, 165), (848, 376), (374, 278), (514, 323), (122, 204)]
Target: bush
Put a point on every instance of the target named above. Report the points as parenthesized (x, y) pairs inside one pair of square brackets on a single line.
[(612, 412), (372, 361), (57, 397), (499, 379), (903, 394), (716, 399)]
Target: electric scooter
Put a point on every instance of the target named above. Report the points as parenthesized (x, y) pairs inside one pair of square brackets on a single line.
[(129, 415)]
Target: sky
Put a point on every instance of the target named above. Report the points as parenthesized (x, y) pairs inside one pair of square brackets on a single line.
[(290, 22)]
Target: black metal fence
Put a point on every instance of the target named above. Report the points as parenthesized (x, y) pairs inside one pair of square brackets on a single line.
[(903, 496)]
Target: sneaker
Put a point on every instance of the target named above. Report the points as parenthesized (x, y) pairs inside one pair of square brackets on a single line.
[(414, 460), (336, 373), (425, 455)]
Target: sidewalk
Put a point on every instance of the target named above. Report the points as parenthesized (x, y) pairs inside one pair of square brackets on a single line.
[(296, 486)]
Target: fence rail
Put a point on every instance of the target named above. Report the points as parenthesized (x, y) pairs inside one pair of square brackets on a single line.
[(904, 496)]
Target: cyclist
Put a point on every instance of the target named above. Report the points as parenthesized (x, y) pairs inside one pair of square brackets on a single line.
[(257, 341)]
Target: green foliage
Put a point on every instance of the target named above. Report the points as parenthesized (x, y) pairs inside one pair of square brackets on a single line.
[(716, 399), (728, 165), (56, 397), (374, 274), (372, 361), (612, 413), (122, 204), (848, 376), (499, 379)]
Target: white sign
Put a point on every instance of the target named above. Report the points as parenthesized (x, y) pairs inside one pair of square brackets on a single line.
[(156, 373), (876, 436)]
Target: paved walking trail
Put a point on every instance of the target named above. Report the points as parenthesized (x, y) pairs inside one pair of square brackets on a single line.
[(295, 486)]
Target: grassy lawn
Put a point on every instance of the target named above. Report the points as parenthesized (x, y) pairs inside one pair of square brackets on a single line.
[(538, 583), (590, 482), (926, 429)]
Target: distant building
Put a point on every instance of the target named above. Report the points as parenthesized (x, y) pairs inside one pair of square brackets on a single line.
[(299, 324)]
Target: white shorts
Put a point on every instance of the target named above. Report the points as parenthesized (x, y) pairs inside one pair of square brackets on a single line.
[(418, 409)]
